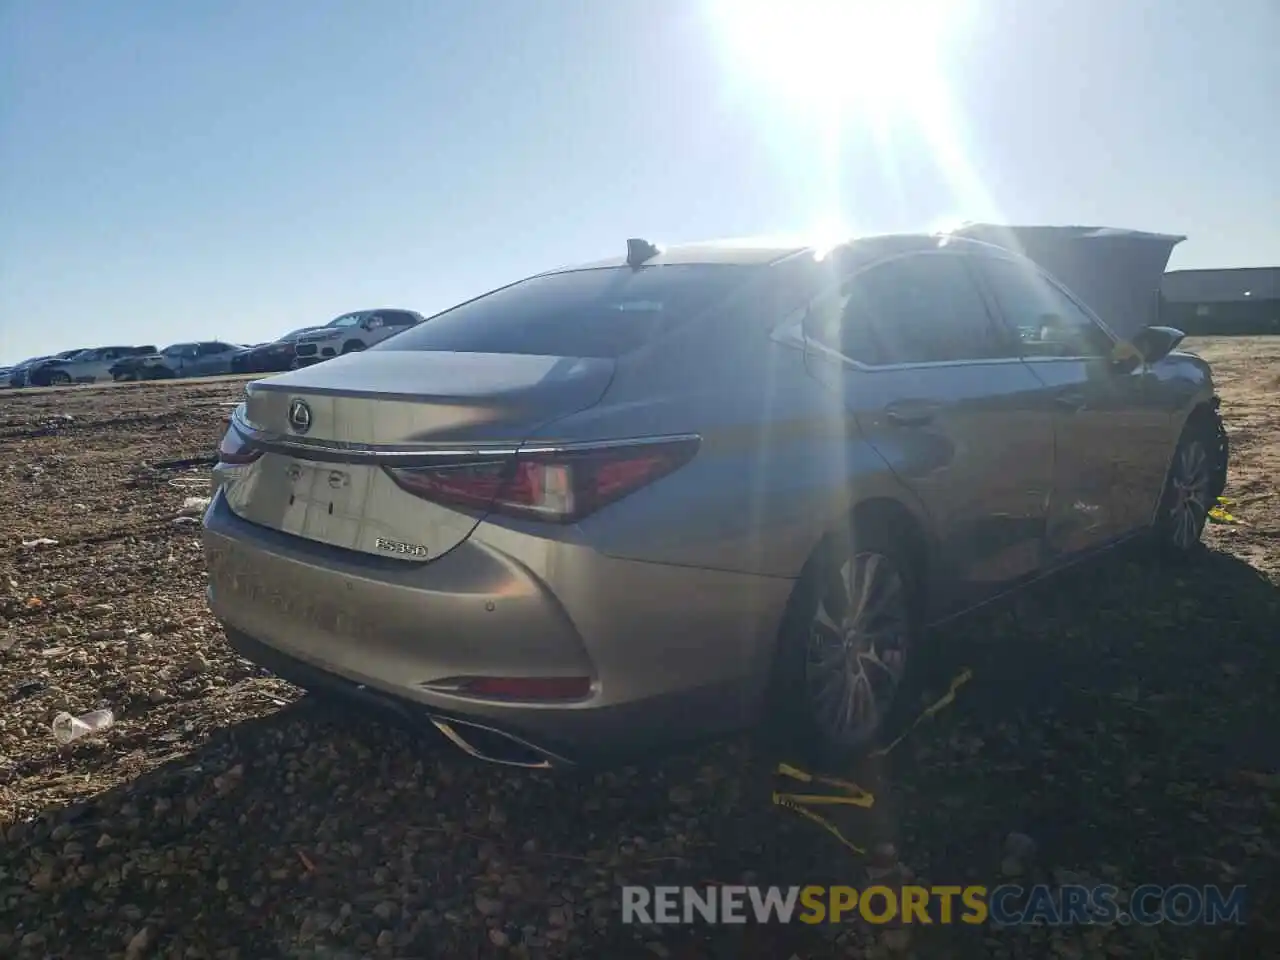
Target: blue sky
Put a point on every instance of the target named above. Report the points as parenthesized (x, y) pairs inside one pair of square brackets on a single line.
[(237, 169)]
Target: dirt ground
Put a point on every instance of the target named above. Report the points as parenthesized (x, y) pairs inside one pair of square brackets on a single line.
[(1121, 725)]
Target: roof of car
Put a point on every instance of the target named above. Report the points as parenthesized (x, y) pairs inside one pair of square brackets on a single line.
[(754, 251)]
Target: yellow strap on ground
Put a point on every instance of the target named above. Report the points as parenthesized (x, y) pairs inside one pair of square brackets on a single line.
[(853, 795), (823, 822), (945, 700), (862, 799), (795, 773)]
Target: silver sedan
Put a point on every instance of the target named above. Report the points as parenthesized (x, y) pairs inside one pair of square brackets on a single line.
[(666, 494)]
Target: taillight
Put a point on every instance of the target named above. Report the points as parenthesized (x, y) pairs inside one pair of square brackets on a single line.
[(236, 449), (557, 485)]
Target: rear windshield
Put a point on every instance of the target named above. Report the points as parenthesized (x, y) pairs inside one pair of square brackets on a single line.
[(604, 312)]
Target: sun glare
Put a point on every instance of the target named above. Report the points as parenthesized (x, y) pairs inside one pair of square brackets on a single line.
[(868, 54), (854, 72)]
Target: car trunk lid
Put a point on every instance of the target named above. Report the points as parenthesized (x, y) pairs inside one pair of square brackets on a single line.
[(329, 431)]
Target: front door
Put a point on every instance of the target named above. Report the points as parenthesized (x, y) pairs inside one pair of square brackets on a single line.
[(1108, 425)]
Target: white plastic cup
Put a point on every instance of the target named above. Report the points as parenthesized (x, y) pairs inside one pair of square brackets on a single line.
[(67, 728)]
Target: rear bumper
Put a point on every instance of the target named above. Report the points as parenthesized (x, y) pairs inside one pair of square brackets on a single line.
[(673, 653)]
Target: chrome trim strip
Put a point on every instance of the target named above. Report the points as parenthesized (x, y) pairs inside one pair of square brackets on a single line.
[(428, 454)]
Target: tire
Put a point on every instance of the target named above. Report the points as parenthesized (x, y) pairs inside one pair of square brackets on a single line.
[(57, 378), (1196, 477), (352, 346), (835, 682)]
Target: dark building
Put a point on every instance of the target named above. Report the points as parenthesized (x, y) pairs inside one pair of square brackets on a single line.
[(1241, 301)]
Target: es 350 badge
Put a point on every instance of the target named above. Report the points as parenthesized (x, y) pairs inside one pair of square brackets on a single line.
[(402, 549)]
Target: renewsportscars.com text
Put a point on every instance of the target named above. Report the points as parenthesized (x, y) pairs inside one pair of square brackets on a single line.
[(1006, 905)]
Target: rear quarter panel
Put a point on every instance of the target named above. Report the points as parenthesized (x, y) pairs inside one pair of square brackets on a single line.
[(780, 463)]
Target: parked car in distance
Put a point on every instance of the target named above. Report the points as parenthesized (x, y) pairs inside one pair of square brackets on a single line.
[(204, 358), (352, 332), (85, 366), (269, 357), (19, 374), (671, 493)]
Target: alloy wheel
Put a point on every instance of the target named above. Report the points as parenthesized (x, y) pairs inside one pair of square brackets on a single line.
[(1189, 488), (857, 649)]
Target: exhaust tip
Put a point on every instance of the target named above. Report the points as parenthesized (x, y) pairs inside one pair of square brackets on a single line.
[(494, 746)]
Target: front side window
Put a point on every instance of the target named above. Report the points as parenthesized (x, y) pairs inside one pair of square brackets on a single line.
[(348, 320), (922, 308), (605, 312), (1048, 323)]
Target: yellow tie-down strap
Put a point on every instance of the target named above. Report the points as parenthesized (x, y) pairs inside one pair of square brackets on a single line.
[(1219, 513), (850, 794)]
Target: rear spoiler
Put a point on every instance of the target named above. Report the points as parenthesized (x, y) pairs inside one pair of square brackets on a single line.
[(1116, 272)]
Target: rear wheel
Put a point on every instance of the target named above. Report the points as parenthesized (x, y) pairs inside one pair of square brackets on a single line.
[(845, 644), (1191, 489), (57, 378)]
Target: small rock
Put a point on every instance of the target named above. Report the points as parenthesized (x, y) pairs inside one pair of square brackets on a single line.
[(101, 609), (33, 940), (138, 944), (61, 630), (884, 854), (680, 796), (386, 940), (157, 695), (197, 665), (385, 910), (897, 939), (498, 937), (488, 906), (1012, 867), (1019, 845), (60, 590)]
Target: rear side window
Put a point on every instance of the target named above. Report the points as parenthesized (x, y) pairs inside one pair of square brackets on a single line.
[(919, 309), (605, 312)]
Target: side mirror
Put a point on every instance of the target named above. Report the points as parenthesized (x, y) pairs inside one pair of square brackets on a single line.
[(1148, 345)]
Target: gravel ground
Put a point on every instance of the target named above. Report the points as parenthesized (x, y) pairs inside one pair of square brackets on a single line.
[(1121, 725)]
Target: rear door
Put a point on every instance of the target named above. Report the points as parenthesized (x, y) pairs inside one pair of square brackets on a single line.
[(1110, 430), (941, 394)]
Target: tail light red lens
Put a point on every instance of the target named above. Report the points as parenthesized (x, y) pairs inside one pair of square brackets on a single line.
[(560, 486), (235, 448)]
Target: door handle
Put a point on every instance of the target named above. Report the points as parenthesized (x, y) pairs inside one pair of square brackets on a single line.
[(910, 415), (1070, 399)]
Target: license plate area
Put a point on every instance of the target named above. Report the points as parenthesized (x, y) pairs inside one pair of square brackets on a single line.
[(324, 502)]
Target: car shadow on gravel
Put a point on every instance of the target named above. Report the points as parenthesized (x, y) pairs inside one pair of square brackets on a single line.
[(1119, 723)]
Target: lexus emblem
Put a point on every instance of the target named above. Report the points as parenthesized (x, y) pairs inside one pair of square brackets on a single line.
[(299, 416)]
